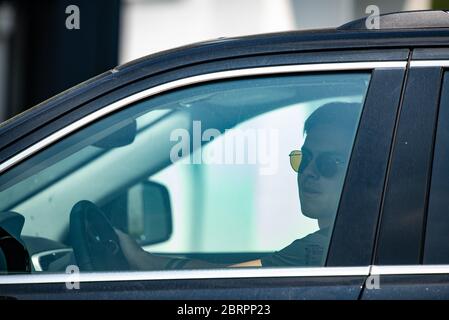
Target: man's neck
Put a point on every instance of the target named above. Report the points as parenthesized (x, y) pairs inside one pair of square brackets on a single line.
[(324, 223)]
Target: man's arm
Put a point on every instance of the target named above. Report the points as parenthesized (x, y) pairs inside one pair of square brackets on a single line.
[(252, 263), (139, 259)]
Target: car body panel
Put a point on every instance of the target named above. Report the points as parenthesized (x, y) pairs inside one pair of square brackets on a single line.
[(309, 288), (403, 217)]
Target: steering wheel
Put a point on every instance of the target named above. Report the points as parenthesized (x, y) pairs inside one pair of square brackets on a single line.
[(95, 244)]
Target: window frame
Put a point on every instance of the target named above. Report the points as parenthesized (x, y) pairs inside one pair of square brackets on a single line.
[(334, 265)]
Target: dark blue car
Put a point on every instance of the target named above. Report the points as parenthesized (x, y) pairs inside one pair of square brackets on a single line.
[(295, 165)]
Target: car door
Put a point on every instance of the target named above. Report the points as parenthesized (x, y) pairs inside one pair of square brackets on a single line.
[(411, 255), (236, 209)]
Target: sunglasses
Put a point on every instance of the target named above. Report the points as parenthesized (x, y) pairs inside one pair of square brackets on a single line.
[(326, 163)]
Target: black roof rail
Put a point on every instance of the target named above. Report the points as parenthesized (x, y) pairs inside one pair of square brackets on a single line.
[(404, 20)]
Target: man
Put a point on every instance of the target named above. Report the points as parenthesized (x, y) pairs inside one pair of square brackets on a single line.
[(321, 167)]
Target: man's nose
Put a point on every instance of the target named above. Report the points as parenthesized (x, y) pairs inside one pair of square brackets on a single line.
[(310, 171)]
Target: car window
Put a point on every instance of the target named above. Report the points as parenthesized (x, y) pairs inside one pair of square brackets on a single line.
[(436, 246), (212, 175)]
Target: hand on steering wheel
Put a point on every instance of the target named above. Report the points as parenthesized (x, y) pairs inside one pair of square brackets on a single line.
[(94, 241)]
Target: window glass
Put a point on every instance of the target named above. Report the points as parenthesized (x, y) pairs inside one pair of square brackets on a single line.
[(243, 172)]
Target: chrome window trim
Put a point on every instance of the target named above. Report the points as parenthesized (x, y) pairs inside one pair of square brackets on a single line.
[(409, 269), (429, 63), (229, 273), (35, 258), (315, 67)]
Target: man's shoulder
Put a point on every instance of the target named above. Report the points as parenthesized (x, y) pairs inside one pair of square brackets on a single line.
[(320, 236), (307, 251)]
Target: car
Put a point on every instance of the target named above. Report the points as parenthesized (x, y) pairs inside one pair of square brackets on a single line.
[(293, 165)]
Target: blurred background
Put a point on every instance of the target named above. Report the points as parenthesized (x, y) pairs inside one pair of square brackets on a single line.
[(40, 57)]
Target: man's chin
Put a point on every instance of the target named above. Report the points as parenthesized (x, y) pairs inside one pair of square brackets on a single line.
[(310, 215), (314, 214)]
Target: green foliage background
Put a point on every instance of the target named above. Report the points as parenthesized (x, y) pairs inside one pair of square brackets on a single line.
[(440, 4)]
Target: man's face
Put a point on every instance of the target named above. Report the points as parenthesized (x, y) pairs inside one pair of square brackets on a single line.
[(322, 171)]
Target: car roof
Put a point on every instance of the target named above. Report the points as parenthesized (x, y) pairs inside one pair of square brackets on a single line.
[(399, 32)]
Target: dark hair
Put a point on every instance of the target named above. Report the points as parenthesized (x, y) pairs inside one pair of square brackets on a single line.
[(340, 115)]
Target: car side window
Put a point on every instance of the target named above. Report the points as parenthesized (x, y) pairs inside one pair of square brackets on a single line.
[(241, 172), (436, 245)]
